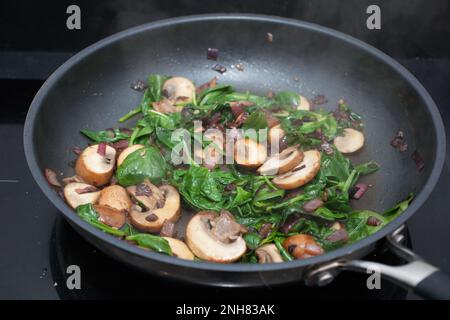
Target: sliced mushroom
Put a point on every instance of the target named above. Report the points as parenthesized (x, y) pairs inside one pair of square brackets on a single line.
[(283, 162), (166, 106), (301, 174), (180, 249), (352, 140), (179, 87), (272, 121), (95, 168), (152, 220), (303, 104), (302, 246), (75, 197), (115, 197), (109, 216), (249, 153), (202, 239), (126, 152), (147, 195), (268, 253)]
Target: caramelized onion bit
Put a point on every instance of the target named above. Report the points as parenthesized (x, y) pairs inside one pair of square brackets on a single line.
[(51, 177), (358, 191), (219, 68), (212, 53), (418, 160)]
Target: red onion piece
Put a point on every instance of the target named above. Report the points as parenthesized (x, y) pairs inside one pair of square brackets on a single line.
[(338, 235), (51, 178), (313, 205), (372, 221), (101, 149), (319, 99), (418, 160), (265, 230), (143, 190), (358, 191), (219, 68), (168, 229), (77, 150), (151, 217), (212, 53), (121, 144), (269, 37)]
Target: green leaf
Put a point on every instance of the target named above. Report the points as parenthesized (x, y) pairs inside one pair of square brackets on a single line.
[(357, 227), (327, 214), (398, 209), (155, 83), (152, 242), (253, 240), (145, 163), (105, 135), (87, 213), (287, 99), (256, 120)]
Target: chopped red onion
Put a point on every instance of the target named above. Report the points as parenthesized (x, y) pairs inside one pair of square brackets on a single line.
[(399, 142), (139, 85), (51, 177), (319, 99), (219, 68), (126, 131), (121, 144), (372, 221), (418, 160), (212, 53), (88, 189), (101, 149), (269, 37), (265, 230), (290, 222), (338, 235), (312, 205), (358, 191), (77, 150), (327, 148), (168, 229)]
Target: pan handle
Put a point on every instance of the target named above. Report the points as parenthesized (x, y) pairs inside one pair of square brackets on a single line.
[(424, 279)]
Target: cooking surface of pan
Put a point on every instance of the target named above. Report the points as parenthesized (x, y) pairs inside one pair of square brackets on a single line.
[(92, 90)]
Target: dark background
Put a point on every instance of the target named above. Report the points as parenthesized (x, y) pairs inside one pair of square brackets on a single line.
[(34, 36), (35, 241)]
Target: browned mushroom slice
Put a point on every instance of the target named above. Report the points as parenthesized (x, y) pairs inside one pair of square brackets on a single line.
[(276, 134), (77, 193), (94, 166), (178, 87), (180, 249), (268, 253), (152, 220), (249, 153), (126, 152), (215, 238), (352, 140), (283, 162), (109, 216), (301, 174), (115, 197), (302, 246), (303, 104)]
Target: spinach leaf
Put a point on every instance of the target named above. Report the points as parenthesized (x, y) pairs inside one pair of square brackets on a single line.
[(152, 242), (88, 214), (253, 240), (155, 84), (213, 96), (284, 254), (398, 209), (357, 226), (145, 163), (105, 135), (287, 99), (256, 120), (327, 214)]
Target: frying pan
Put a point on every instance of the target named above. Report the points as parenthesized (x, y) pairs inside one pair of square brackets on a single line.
[(91, 90)]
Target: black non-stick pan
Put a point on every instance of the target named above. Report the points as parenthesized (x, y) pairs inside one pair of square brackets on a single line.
[(92, 90)]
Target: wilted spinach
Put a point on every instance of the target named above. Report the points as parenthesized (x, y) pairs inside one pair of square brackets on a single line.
[(110, 135), (144, 163), (88, 214), (152, 242)]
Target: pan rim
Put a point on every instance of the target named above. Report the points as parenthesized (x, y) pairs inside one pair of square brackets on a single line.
[(207, 266)]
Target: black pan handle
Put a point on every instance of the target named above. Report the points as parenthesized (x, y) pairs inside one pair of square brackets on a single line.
[(423, 278), (436, 286)]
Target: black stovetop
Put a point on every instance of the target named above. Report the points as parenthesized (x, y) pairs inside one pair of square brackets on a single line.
[(37, 245)]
